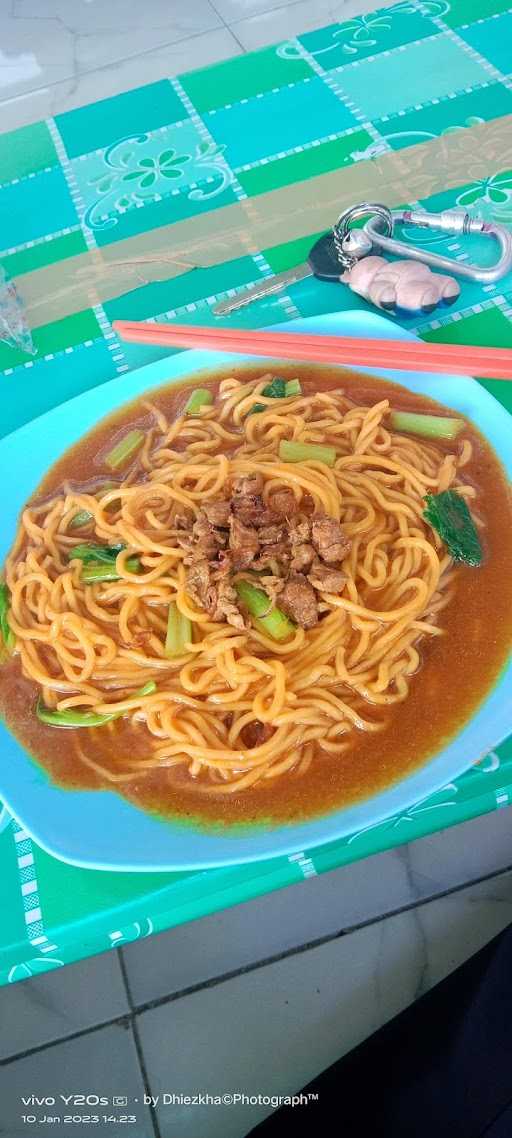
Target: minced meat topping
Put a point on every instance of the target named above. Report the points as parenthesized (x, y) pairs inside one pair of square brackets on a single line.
[(297, 554)]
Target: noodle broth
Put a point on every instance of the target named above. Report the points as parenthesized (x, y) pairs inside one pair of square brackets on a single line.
[(448, 675)]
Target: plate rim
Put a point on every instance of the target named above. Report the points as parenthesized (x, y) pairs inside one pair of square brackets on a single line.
[(187, 363)]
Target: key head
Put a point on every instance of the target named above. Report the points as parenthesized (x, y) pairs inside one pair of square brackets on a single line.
[(323, 259)]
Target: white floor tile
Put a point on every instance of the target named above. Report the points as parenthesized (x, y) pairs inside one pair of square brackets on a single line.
[(33, 52), (268, 27), (259, 23), (322, 906), (272, 1030), (334, 11), (232, 10), (45, 41), (462, 853), (58, 1003), (196, 51), (56, 55), (103, 1063)]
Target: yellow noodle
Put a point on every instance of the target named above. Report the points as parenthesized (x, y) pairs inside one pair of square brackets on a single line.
[(92, 647)]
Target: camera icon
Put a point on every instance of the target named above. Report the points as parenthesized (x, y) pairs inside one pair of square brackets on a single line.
[(119, 1100)]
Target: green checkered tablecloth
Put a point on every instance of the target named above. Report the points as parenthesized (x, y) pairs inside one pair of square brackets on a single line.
[(158, 202)]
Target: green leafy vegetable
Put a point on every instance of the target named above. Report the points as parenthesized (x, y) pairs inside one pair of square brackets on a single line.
[(91, 552), (199, 398), (276, 389), (6, 634), (448, 513), (99, 561), (71, 717), (428, 426), (179, 632), (306, 452), (124, 449), (266, 618)]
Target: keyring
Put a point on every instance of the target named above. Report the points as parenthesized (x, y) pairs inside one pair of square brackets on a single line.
[(361, 243)]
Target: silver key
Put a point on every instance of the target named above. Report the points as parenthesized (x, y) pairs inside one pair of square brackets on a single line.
[(263, 289), (326, 260)]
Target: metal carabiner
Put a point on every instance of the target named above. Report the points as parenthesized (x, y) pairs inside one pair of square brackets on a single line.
[(354, 244)]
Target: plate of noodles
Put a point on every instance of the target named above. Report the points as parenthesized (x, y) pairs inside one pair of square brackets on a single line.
[(250, 607)]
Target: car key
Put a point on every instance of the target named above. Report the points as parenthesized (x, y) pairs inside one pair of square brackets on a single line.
[(323, 262), (409, 286)]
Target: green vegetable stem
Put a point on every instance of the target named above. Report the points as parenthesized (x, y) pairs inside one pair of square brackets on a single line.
[(72, 717), (306, 452), (428, 426), (179, 632), (266, 618), (124, 449), (199, 398)]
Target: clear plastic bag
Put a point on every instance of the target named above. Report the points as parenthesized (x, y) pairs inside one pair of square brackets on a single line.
[(14, 329)]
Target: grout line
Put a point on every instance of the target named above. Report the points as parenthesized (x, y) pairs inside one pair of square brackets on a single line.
[(124, 974), (137, 1042), (229, 28), (149, 1005), (145, 1076), (121, 1021), (217, 13), (315, 943)]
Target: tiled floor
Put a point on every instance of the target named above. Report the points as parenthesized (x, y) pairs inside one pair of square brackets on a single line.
[(260, 997), (59, 54)]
